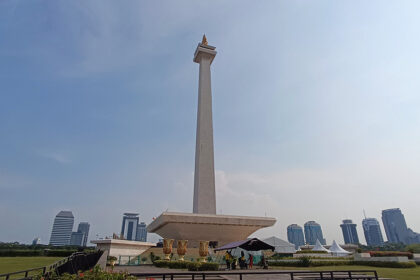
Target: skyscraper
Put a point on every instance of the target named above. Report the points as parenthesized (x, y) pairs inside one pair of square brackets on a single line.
[(129, 226), (141, 232), (349, 232), (62, 228), (313, 232), (79, 237), (76, 238), (295, 235), (395, 226), (372, 231), (84, 228)]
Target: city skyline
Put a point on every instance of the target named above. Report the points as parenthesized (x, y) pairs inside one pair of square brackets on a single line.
[(295, 233), (98, 111)]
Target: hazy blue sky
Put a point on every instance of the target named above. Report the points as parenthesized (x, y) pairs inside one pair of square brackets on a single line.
[(316, 111)]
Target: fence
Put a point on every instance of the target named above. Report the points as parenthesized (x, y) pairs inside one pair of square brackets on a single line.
[(72, 264), (323, 275)]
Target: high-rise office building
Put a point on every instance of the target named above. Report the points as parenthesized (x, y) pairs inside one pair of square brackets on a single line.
[(413, 237), (129, 226), (84, 228), (349, 232), (395, 226), (76, 238), (313, 232), (141, 232), (295, 235), (79, 237), (372, 231), (62, 228)]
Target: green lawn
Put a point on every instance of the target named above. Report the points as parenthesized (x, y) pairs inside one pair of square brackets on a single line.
[(12, 264), (396, 273)]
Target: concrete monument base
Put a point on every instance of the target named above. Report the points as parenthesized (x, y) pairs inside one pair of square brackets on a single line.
[(195, 227), (117, 247)]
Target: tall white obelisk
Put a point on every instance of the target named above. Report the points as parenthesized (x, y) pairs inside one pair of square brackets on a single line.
[(204, 181), (204, 223)]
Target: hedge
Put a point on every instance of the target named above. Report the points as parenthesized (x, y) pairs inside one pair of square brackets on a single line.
[(302, 263), (196, 266), (35, 253), (172, 264), (310, 252), (390, 254), (387, 264), (192, 266), (299, 263)]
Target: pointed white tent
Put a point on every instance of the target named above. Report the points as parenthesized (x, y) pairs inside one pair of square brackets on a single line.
[(336, 250), (319, 247), (280, 245)]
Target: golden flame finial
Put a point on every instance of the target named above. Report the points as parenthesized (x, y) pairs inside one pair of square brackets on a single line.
[(204, 41)]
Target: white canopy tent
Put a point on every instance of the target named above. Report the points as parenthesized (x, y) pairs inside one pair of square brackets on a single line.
[(336, 250), (319, 247), (280, 245)]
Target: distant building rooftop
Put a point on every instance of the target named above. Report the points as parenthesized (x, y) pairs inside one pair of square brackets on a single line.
[(67, 214), (131, 214)]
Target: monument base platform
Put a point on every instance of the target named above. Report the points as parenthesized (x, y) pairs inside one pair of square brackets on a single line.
[(193, 227), (117, 247)]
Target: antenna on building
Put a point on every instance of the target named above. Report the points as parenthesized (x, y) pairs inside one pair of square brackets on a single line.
[(364, 213)]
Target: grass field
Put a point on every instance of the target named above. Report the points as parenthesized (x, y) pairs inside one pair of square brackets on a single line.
[(12, 264), (395, 273)]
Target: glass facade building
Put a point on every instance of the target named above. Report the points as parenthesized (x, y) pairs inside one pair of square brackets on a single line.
[(141, 232), (84, 228), (295, 235), (313, 232), (372, 231), (62, 229), (395, 226), (349, 232), (76, 238), (129, 226)]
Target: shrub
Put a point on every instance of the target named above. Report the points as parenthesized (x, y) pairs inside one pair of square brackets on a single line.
[(304, 261), (390, 254), (413, 248), (311, 252), (279, 256), (178, 264), (161, 263), (386, 264), (192, 266), (196, 266), (331, 263), (93, 274)]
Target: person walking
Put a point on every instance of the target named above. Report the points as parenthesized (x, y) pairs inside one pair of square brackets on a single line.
[(250, 260), (227, 259)]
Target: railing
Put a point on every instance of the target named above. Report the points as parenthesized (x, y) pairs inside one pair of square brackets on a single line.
[(46, 270), (25, 272), (323, 275)]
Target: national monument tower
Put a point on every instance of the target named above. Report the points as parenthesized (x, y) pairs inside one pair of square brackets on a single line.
[(204, 223)]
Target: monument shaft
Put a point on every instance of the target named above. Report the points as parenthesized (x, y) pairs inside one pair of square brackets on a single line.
[(204, 178), (203, 223)]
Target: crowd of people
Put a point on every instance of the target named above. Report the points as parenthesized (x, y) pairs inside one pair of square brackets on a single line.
[(244, 263)]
